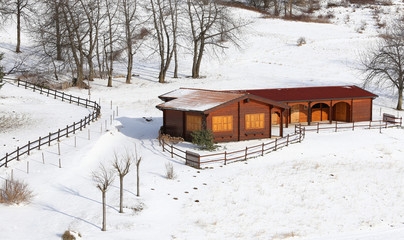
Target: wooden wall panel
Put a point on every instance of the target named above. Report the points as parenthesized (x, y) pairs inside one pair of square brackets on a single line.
[(362, 110), (188, 136), (173, 123)]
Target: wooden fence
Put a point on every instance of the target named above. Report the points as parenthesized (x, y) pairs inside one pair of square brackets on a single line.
[(388, 121), (195, 160), (60, 133)]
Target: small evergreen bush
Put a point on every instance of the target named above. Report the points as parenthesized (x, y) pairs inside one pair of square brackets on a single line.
[(204, 139)]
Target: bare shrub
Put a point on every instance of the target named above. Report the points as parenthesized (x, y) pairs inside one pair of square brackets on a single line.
[(71, 235), (12, 120), (15, 192), (306, 18), (168, 139), (170, 173), (301, 41)]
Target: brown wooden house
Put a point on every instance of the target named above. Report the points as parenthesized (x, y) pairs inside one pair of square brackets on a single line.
[(315, 104), (251, 114), (232, 116)]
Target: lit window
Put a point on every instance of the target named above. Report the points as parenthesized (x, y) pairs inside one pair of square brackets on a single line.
[(222, 123), (194, 123), (255, 121)]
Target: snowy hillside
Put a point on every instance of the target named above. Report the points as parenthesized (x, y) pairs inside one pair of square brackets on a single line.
[(344, 185)]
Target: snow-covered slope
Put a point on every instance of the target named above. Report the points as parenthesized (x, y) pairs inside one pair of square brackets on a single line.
[(344, 185)]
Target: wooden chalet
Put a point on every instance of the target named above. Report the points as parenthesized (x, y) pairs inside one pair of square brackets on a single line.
[(315, 104), (251, 114), (232, 116)]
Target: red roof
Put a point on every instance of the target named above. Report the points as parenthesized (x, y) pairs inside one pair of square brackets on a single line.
[(312, 93)]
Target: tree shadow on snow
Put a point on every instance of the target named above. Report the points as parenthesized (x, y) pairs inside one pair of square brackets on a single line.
[(71, 191), (47, 207)]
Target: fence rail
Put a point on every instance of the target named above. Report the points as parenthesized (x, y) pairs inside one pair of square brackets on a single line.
[(388, 121), (232, 156), (60, 133)]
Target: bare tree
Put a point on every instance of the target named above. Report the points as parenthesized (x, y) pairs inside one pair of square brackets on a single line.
[(122, 165), (211, 25), (384, 64), (163, 16), (111, 8), (19, 9), (76, 33), (103, 179)]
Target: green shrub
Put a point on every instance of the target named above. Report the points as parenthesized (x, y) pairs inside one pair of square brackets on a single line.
[(204, 139)]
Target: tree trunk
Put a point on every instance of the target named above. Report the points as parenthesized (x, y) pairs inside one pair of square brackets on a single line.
[(175, 62), (195, 74), (198, 62), (400, 98), (120, 194), (137, 181), (104, 214), (58, 34), (17, 49)]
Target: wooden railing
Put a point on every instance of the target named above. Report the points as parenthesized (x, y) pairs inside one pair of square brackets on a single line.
[(388, 121), (231, 156), (60, 133)]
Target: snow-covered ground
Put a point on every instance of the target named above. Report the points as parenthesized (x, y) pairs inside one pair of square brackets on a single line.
[(346, 185)]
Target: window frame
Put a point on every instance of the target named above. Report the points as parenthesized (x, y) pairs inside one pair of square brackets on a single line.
[(248, 122), (190, 123), (223, 116)]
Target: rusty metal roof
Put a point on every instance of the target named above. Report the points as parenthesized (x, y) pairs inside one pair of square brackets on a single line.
[(312, 93), (202, 100)]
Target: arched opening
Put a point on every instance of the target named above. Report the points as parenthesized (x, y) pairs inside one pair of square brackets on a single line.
[(298, 113), (341, 112), (276, 118), (320, 112)]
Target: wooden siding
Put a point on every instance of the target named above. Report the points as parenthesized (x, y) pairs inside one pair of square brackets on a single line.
[(173, 123), (362, 110), (298, 113), (320, 112)]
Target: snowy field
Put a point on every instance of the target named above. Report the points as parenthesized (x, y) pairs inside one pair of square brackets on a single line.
[(346, 185)]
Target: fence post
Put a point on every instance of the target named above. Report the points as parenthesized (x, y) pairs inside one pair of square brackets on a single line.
[(6, 159), (276, 143), (225, 158), (67, 131), (60, 163), (58, 135), (287, 140), (81, 124), (34, 88), (370, 124), (386, 124), (300, 136), (70, 98), (55, 93), (246, 149), (74, 127), (336, 126), (49, 142), (318, 127), (63, 96), (172, 151), (353, 126), (58, 148), (47, 93), (18, 153), (262, 149), (86, 102), (29, 146), (401, 121), (39, 143), (18, 82)]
